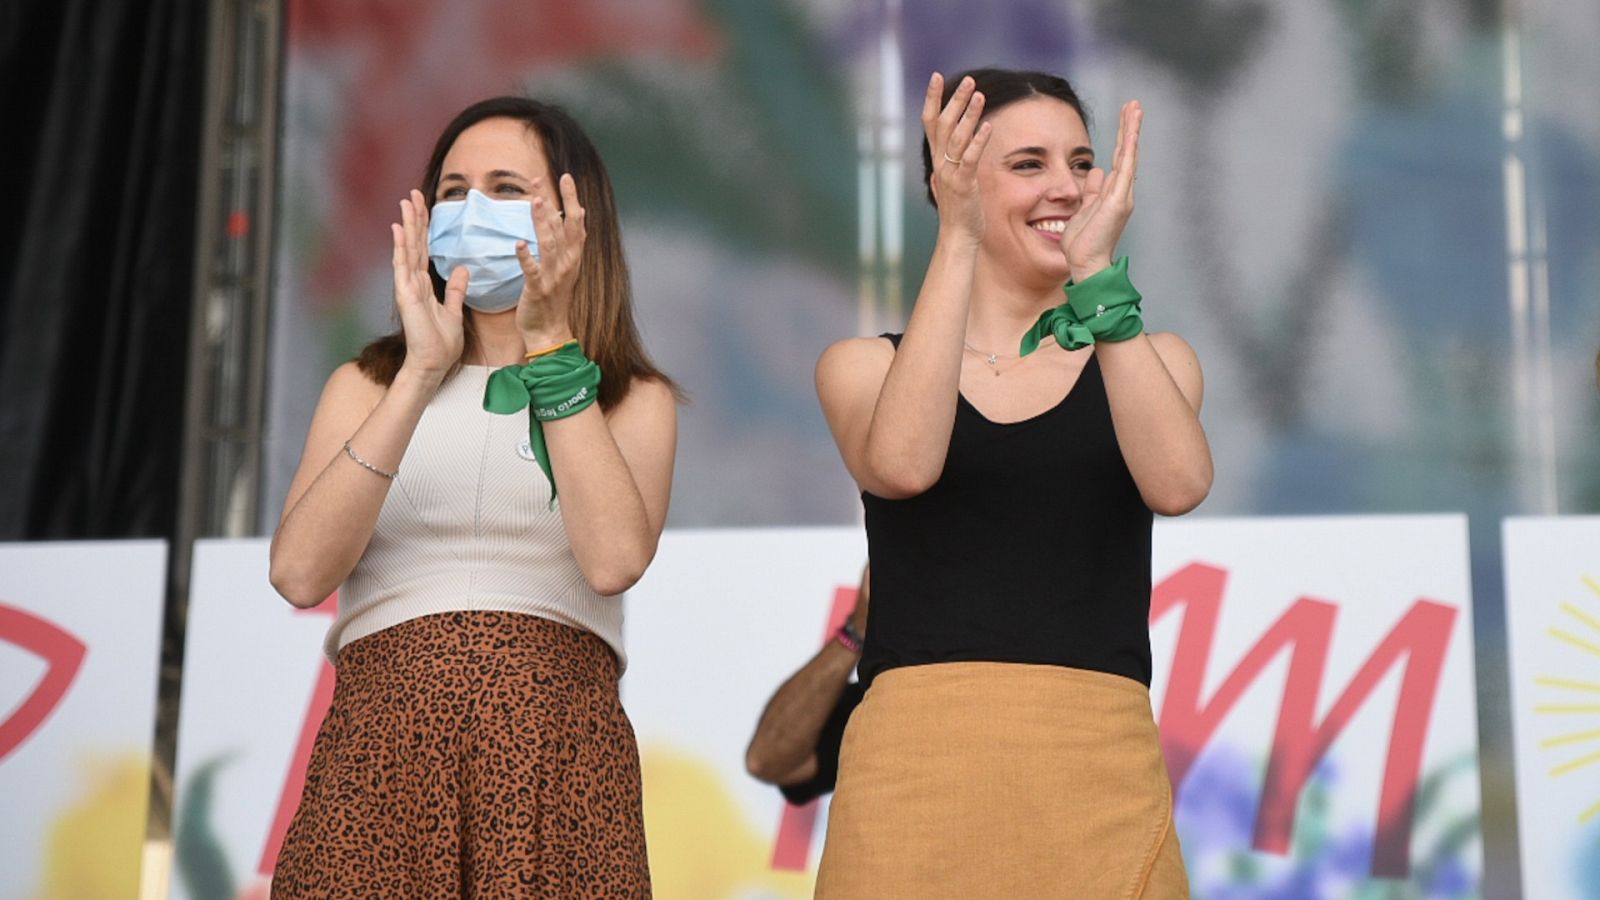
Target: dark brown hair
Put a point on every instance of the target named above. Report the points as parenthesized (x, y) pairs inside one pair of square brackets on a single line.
[(1001, 88), (602, 300)]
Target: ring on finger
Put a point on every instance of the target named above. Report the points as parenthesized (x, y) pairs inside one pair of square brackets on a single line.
[(947, 158)]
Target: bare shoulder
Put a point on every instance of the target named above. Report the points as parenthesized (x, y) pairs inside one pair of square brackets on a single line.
[(656, 389), (855, 359), (1173, 349), (349, 379), (350, 389), (649, 399)]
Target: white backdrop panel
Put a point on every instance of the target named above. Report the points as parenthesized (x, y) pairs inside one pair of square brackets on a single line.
[(1553, 623), (80, 645)]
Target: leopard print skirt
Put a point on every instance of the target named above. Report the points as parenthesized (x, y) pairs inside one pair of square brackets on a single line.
[(471, 754)]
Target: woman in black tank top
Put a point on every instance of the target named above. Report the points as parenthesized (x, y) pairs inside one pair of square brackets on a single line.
[(1011, 449)]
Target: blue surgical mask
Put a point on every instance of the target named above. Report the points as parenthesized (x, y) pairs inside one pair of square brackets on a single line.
[(482, 235)]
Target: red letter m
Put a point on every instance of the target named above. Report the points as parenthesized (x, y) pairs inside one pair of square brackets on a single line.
[(1305, 630)]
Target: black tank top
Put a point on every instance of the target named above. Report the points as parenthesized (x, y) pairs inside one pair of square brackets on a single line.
[(1033, 547)]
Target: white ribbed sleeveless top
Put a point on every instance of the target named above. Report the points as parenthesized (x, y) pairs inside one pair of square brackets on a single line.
[(468, 525)]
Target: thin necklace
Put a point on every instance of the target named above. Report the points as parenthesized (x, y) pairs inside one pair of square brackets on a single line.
[(989, 357)]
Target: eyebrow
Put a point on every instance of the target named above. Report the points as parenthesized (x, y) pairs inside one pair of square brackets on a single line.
[(497, 173), (1040, 151)]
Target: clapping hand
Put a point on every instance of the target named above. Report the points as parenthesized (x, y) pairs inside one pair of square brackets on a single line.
[(1090, 239), (432, 329), (543, 311), (955, 141)]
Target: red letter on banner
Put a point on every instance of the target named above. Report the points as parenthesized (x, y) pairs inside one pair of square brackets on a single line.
[(1422, 638), (294, 783), (62, 654)]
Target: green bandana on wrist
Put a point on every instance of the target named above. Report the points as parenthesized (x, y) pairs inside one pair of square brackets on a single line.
[(553, 386), (1104, 307)]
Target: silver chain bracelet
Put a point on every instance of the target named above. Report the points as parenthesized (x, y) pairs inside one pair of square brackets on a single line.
[(366, 465)]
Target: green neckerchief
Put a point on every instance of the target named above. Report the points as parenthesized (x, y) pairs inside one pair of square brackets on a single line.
[(1105, 307), (553, 386)]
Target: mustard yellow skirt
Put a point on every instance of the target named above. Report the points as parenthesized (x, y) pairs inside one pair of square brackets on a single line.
[(978, 780)]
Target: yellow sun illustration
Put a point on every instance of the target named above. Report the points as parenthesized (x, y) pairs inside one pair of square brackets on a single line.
[(1579, 629)]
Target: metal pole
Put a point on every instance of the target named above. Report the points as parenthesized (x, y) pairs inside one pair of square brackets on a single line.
[(1528, 290), (228, 327)]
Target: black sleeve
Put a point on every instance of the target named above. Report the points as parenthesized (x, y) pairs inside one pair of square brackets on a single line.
[(828, 743)]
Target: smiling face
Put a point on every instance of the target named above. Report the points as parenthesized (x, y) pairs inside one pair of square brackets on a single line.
[(1031, 177), (499, 157)]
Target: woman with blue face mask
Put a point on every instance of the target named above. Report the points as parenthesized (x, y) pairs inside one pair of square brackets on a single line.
[(476, 744)]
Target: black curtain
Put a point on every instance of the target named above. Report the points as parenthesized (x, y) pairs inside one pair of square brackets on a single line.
[(103, 105)]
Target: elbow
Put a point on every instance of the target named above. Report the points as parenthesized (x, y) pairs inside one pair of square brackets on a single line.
[(613, 582), (611, 577), (621, 569), (760, 766), (900, 480), (902, 488), (299, 591), (294, 584), (1180, 498)]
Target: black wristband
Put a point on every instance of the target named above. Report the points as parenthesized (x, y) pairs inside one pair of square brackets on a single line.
[(849, 637)]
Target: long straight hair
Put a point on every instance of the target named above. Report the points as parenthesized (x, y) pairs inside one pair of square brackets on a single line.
[(602, 297)]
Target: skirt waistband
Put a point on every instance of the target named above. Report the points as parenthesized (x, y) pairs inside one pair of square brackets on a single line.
[(451, 639), (1005, 676)]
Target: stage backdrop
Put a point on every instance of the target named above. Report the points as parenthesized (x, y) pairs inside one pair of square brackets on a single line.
[(1314, 683), (765, 157), (80, 628), (1373, 220), (1553, 617)]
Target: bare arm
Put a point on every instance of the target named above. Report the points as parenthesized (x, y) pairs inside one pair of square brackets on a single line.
[(615, 475), (1153, 382), (783, 750), (333, 500), (613, 468), (891, 413), (1155, 388)]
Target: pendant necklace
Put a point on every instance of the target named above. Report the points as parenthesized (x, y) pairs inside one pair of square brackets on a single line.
[(991, 358)]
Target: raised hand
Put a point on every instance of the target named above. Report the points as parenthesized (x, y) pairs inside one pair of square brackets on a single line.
[(955, 141), (543, 310), (433, 329), (1090, 240)]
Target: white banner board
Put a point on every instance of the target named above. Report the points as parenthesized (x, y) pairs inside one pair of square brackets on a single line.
[(255, 688), (1315, 688), (80, 647), (1553, 623), (719, 621), (1313, 680), (1341, 648)]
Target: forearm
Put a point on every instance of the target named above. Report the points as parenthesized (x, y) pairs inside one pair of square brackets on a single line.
[(789, 726), (915, 412), (607, 521), (1157, 427), (322, 536)]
